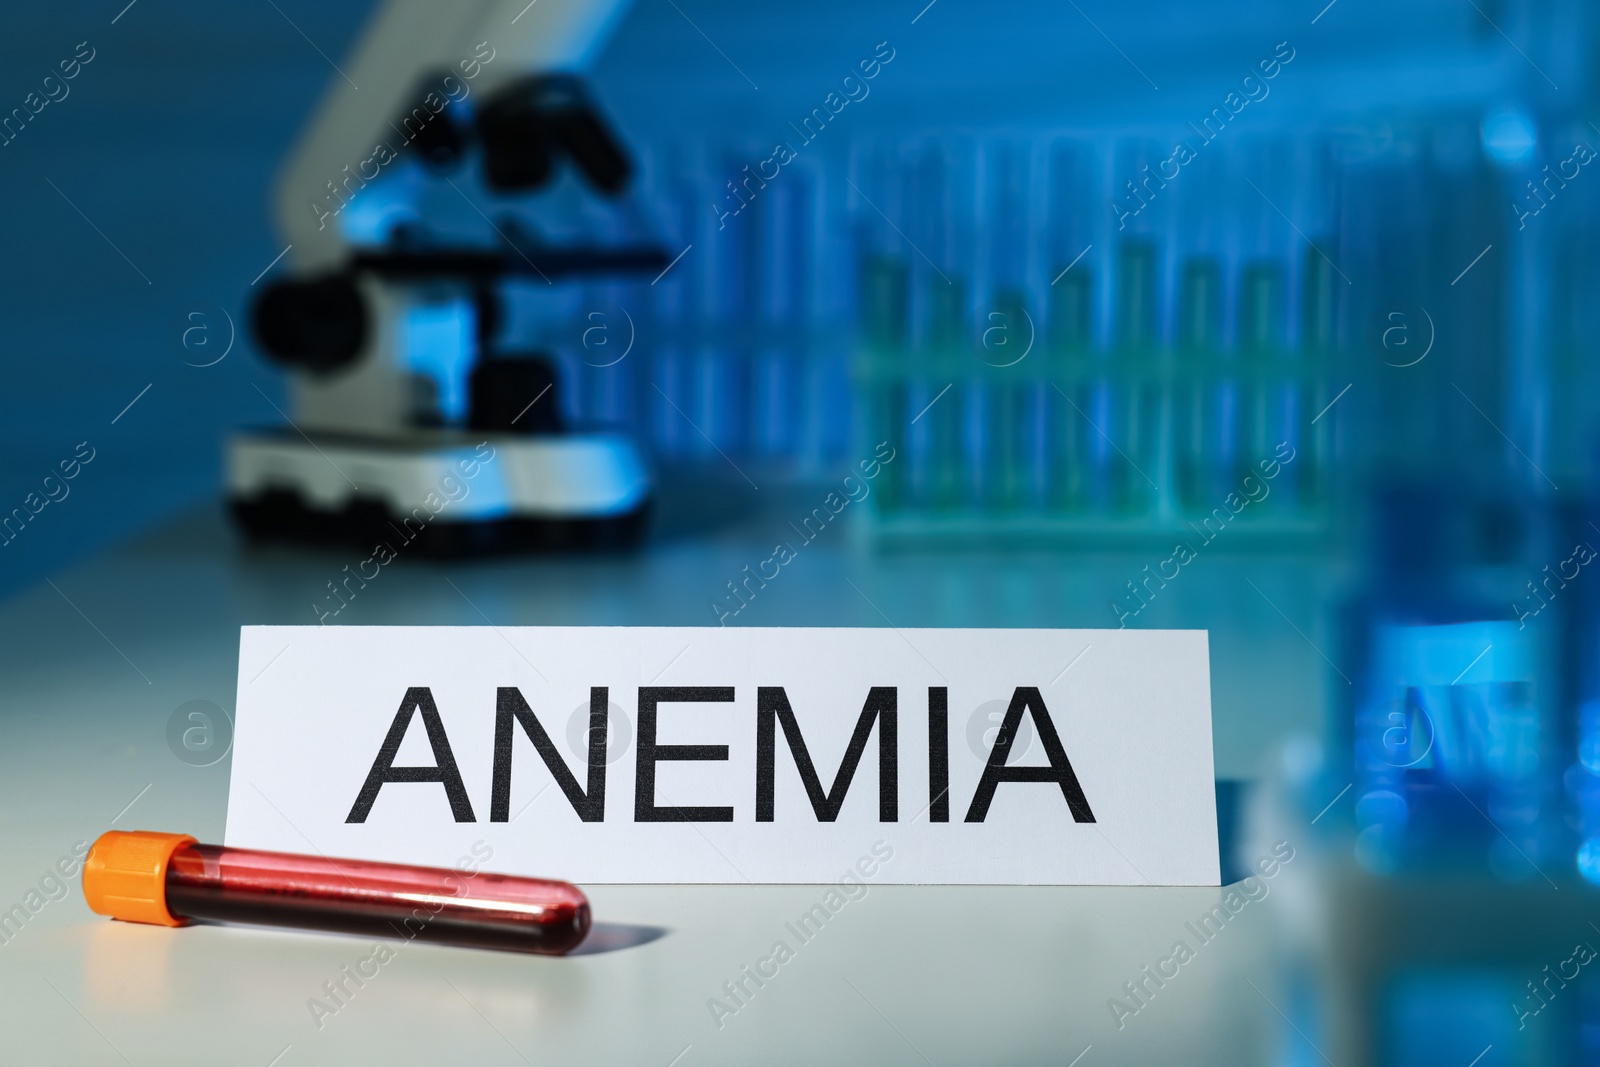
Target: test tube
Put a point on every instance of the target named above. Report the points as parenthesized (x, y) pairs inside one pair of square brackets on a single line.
[(1199, 342), (781, 267), (945, 339), (724, 301), (942, 216), (1272, 403), (1070, 348), (1071, 228), (881, 305), (1137, 406), (171, 879), (671, 308), (1007, 427), (1318, 336)]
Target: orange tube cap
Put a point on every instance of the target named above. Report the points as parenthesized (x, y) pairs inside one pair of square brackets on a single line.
[(125, 875)]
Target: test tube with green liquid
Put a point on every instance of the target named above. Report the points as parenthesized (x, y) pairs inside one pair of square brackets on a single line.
[(882, 308), (949, 361), (1134, 392), (1272, 397), (1312, 469), (1069, 346), (1196, 432)]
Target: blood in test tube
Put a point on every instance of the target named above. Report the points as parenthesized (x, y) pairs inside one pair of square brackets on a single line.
[(171, 879)]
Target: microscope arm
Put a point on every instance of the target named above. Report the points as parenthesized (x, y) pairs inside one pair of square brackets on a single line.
[(483, 44)]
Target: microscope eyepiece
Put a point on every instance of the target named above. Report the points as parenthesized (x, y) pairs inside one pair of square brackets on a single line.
[(529, 124)]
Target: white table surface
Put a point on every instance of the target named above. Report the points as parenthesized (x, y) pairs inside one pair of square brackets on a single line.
[(95, 661)]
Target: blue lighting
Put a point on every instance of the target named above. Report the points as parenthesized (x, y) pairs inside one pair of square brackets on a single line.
[(1509, 135)]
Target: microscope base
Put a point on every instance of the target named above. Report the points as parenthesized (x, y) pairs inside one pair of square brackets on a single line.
[(281, 516), (441, 494)]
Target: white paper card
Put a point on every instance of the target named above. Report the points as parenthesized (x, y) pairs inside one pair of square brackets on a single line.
[(657, 754)]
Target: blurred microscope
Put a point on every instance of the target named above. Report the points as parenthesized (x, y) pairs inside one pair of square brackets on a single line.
[(408, 210)]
